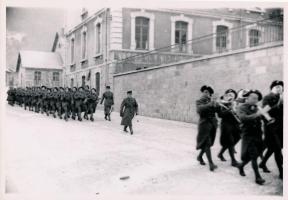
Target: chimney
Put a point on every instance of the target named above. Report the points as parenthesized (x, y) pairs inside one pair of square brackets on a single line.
[(84, 14)]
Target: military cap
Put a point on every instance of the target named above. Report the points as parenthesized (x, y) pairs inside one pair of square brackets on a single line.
[(94, 89), (107, 87), (275, 83), (80, 88), (208, 88), (55, 88), (87, 86), (61, 88), (75, 88), (231, 91), (255, 92), (129, 92), (43, 86)]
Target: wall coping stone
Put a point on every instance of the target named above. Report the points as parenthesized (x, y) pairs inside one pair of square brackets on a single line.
[(206, 57)]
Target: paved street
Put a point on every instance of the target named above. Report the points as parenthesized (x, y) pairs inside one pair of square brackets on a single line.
[(44, 154)]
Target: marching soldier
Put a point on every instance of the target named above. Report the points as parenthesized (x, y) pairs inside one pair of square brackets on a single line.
[(59, 101), (92, 101), (109, 102), (207, 125), (251, 132), (52, 101), (73, 107), (66, 98), (274, 131), (11, 96), (128, 109), (85, 102), (79, 97), (230, 126)]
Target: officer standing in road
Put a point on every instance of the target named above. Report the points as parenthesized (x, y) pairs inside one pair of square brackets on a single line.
[(109, 102)]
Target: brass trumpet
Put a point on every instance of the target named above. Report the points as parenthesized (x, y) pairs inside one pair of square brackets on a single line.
[(222, 103), (264, 112)]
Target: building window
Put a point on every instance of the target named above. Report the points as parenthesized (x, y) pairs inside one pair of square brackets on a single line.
[(142, 30), (142, 33), (254, 38), (221, 37), (98, 38), (84, 43), (72, 46), (181, 29), (83, 81), (97, 84), (55, 78), (37, 78), (72, 83)]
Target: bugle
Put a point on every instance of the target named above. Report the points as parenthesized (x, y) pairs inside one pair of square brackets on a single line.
[(264, 112)]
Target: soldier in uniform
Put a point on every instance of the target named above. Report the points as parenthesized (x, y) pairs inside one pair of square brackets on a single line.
[(79, 97), (230, 126), (59, 102), (92, 101), (73, 107), (128, 109), (27, 98), (42, 95), (251, 133), (11, 96), (85, 102), (274, 131), (207, 125), (109, 102), (66, 99), (52, 101)]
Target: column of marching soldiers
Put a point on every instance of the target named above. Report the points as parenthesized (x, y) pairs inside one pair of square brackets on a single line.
[(259, 126), (62, 102)]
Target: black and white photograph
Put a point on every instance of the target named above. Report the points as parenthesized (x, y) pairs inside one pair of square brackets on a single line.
[(147, 100)]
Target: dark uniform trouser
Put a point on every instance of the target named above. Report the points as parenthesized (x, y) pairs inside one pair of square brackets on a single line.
[(27, 102), (38, 105), (91, 108), (78, 110), (107, 109), (52, 106), (59, 108), (65, 106)]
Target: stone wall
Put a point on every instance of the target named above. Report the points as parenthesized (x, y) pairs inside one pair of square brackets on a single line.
[(170, 91)]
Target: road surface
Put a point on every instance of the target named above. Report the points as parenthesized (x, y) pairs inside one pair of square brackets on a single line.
[(45, 155)]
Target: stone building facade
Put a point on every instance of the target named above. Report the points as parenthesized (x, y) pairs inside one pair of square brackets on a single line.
[(99, 46), (37, 68)]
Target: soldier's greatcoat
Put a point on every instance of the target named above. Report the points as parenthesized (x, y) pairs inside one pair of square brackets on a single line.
[(230, 128), (274, 132), (207, 124), (128, 109), (251, 132)]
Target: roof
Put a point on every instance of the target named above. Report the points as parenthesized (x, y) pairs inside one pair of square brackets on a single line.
[(39, 60)]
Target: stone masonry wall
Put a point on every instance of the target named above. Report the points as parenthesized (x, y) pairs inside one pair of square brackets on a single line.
[(170, 91)]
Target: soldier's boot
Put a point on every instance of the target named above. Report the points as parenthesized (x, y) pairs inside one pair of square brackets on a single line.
[(86, 116), (73, 116), (54, 115), (66, 117), (131, 130), (79, 116), (105, 117), (125, 129)]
